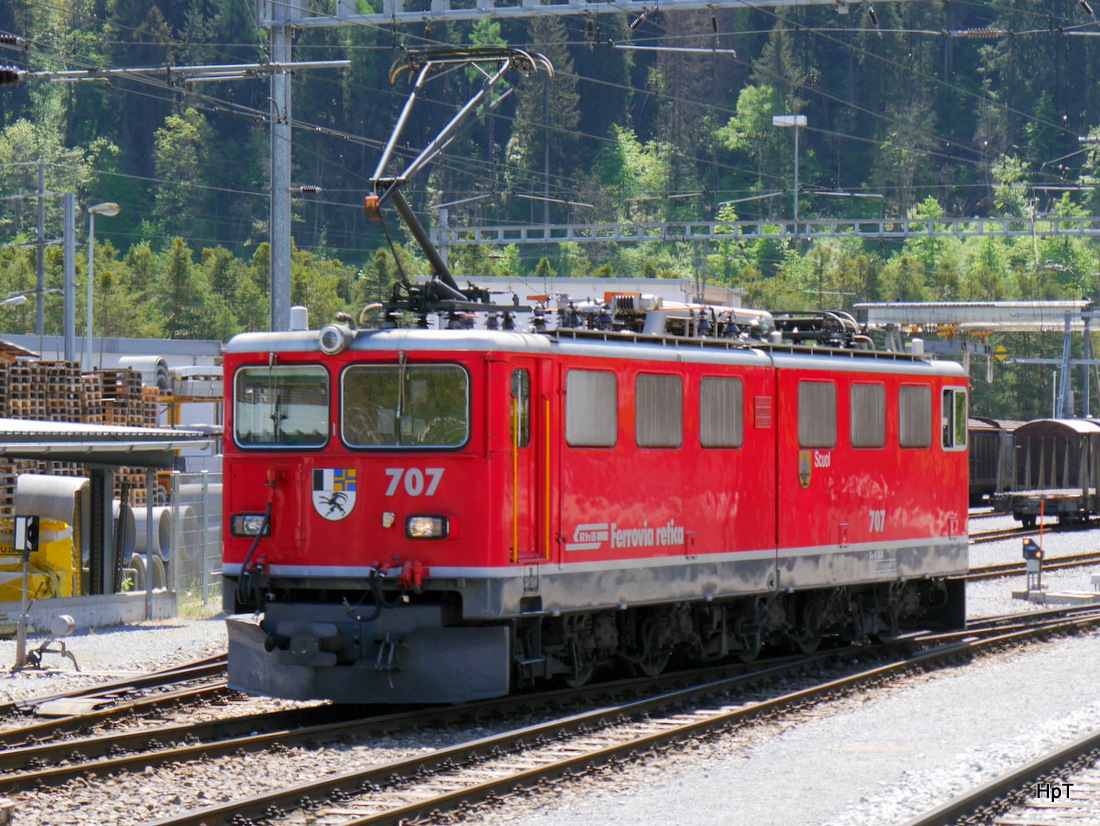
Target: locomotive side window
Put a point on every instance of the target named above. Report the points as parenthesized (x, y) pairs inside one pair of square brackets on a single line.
[(281, 406), (954, 415), (591, 408), (520, 411), (868, 415), (721, 412), (406, 405), (915, 415), (816, 414), (659, 410)]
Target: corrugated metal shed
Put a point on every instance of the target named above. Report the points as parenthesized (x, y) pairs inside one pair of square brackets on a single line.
[(100, 444)]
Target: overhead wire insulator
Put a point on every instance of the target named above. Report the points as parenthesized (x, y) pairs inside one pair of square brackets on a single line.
[(11, 75), (13, 40), (980, 34), (1086, 8)]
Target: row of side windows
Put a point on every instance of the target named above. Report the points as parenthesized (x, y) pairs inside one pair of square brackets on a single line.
[(592, 410), (817, 415)]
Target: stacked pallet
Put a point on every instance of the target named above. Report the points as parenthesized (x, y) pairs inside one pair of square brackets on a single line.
[(122, 398), (26, 396), (57, 391), (91, 398), (63, 391), (128, 403)]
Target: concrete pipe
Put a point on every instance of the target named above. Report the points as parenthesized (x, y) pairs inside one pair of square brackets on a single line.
[(162, 530), (187, 555), (153, 370), (137, 565), (155, 572), (191, 493), (126, 526)]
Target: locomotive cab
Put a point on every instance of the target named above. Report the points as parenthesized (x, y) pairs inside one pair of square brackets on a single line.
[(376, 538)]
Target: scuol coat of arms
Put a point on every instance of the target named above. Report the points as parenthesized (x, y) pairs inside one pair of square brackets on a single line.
[(805, 468), (333, 492)]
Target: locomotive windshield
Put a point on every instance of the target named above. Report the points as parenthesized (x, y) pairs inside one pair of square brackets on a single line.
[(406, 405), (281, 406)]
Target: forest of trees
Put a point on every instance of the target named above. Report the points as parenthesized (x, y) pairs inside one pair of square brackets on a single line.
[(932, 108)]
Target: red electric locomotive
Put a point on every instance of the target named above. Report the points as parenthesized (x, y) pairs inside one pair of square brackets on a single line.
[(420, 515), (443, 515)]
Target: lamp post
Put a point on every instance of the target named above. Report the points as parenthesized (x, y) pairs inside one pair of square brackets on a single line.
[(108, 210), (798, 122)]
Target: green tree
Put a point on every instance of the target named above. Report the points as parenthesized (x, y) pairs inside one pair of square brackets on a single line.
[(1011, 195), (905, 157), (903, 279), (638, 174), (184, 293), (541, 153), (182, 155), (1044, 139), (751, 132), (322, 286)]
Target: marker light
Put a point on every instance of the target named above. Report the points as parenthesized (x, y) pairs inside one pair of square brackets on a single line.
[(427, 527), (249, 524)]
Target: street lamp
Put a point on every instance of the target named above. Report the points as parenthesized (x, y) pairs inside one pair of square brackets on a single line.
[(798, 122), (14, 301), (107, 210)]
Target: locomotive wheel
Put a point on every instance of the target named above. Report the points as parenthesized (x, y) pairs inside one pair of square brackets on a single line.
[(654, 664), (808, 644), (580, 678), (753, 644)]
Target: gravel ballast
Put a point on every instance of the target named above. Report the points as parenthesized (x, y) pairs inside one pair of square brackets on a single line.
[(875, 757)]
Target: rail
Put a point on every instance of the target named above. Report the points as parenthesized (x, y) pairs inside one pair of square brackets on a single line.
[(456, 777)]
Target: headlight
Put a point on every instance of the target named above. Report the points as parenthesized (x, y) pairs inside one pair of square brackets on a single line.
[(249, 524), (427, 527)]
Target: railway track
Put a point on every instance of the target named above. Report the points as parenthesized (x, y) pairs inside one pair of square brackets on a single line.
[(1061, 786), (208, 668), (49, 763), (84, 708), (27, 763), (975, 515), (1016, 568), (983, 537), (454, 778)]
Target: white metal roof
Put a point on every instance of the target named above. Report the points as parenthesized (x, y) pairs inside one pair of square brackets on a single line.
[(97, 444), (979, 316)]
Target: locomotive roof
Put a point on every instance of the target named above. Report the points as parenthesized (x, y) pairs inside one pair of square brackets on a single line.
[(606, 345)]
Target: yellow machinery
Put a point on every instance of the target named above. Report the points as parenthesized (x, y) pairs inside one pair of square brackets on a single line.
[(53, 571)]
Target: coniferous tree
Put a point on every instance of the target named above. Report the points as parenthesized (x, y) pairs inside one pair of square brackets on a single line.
[(541, 154)]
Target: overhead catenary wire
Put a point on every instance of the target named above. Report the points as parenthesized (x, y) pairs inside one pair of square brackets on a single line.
[(823, 132)]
